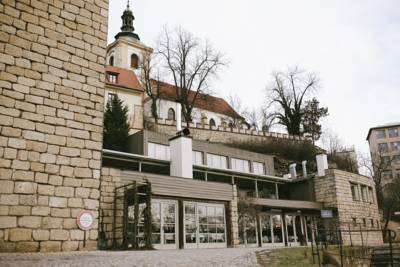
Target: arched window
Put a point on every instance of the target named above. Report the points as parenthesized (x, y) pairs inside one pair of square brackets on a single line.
[(111, 61), (212, 122), (171, 114), (134, 61)]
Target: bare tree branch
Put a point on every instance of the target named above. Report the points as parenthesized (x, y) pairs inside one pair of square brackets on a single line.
[(191, 65)]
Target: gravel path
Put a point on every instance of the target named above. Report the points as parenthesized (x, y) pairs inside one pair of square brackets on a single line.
[(243, 257)]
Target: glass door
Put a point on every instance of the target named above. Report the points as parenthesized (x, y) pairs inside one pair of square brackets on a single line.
[(190, 222), (310, 228), (266, 229), (292, 237), (169, 229), (204, 225), (277, 229), (271, 230), (164, 224), (248, 231)]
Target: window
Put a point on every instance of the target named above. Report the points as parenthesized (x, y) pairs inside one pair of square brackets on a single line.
[(396, 159), (111, 61), (217, 161), (385, 160), (371, 195), (240, 165), (383, 147), (393, 132), (171, 114), (158, 151), (197, 157), (355, 192), (258, 168), (134, 61), (364, 193), (372, 223), (354, 220), (387, 175), (212, 122), (111, 96), (395, 146), (380, 134), (364, 222), (112, 77)]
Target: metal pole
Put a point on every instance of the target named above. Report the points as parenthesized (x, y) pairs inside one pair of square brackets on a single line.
[(312, 249), (319, 260), (114, 243), (136, 216), (256, 187), (391, 248), (341, 247), (125, 219), (84, 238), (351, 241)]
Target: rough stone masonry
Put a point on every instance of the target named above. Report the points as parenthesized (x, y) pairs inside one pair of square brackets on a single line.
[(51, 115)]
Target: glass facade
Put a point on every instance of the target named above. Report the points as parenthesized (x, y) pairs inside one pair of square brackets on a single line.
[(164, 223), (204, 225)]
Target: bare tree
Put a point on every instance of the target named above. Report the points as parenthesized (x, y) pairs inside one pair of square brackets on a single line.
[(343, 157), (287, 95), (375, 167), (191, 63), (332, 142), (251, 117), (151, 80), (236, 103), (267, 120)]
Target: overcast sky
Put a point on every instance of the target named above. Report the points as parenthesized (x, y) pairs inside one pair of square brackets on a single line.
[(354, 46)]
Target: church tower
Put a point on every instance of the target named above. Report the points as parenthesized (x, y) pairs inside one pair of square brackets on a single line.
[(127, 50)]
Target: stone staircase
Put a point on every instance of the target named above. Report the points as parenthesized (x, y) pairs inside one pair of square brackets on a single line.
[(381, 256)]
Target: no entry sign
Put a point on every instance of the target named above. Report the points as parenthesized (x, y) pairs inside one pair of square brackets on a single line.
[(85, 220)]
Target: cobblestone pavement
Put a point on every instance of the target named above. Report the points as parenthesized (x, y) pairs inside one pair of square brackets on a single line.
[(243, 257)]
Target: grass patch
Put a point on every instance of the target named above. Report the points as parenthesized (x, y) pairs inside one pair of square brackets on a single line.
[(289, 257)]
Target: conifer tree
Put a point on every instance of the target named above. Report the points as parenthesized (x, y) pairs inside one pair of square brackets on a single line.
[(312, 114), (116, 127)]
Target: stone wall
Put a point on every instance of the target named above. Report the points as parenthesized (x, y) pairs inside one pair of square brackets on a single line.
[(109, 181), (234, 216), (51, 115), (218, 134), (334, 190)]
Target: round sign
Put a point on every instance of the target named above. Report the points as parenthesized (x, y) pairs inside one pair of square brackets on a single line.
[(85, 220)]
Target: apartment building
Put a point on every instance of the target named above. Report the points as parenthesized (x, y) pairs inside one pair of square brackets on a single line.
[(384, 145)]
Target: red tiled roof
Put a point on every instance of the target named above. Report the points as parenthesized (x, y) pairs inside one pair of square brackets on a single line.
[(207, 102), (126, 78)]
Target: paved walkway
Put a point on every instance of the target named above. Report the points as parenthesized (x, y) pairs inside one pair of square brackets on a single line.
[(243, 257)]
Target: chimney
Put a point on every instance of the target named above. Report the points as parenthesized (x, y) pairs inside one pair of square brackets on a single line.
[(181, 150), (304, 167), (322, 164), (178, 117), (292, 168)]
